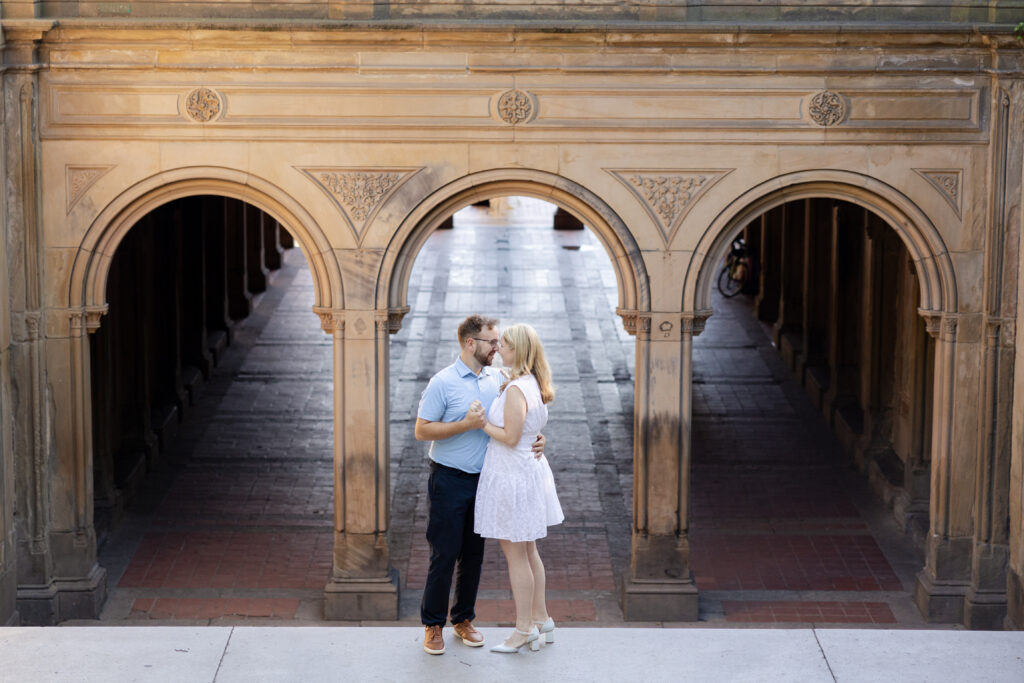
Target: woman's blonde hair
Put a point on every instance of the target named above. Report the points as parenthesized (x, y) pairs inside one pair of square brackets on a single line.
[(529, 358)]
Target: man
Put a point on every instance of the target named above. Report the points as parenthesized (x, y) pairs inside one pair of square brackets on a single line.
[(452, 413)]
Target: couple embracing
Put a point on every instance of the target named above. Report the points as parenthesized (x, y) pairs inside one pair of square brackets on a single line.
[(488, 479)]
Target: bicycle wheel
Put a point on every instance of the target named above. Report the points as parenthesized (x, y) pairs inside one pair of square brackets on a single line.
[(727, 285)]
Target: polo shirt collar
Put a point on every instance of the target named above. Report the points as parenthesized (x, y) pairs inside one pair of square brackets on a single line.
[(464, 370)]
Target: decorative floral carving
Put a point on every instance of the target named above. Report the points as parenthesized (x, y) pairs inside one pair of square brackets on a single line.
[(635, 322), (515, 106), (79, 179), (203, 105), (358, 193), (827, 108), (668, 196), (948, 182), (390, 321), (331, 320), (693, 323)]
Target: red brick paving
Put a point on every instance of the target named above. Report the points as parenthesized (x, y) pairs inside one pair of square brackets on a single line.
[(781, 611), (251, 508)]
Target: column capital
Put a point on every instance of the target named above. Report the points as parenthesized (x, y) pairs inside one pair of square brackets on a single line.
[(693, 321), (941, 325), (390, 320), (86, 318), (331, 319), (637, 323)]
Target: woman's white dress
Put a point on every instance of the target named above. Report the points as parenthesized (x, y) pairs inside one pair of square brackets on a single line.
[(515, 497)]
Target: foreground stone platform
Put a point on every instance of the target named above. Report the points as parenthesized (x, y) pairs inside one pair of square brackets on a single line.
[(223, 654)]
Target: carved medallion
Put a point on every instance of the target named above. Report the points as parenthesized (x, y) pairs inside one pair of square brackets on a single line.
[(515, 106), (78, 180), (203, 105), (948, 181), (669, 195), (359, 193), (827, 108)]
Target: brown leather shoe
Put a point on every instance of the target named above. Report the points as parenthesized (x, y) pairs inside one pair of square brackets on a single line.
[(469, 635), (433, 640)]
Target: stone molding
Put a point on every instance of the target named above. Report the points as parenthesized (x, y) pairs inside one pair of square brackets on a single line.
[(827, 108), (358, 193), (668, 195), (78, 180), (203, 105), (949, 183)]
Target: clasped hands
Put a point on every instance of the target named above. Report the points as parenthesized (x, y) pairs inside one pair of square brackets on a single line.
[(476, 418)]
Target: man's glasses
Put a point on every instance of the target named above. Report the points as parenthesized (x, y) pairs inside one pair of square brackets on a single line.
[(495, 343)]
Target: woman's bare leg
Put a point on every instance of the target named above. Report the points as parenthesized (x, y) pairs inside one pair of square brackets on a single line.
[(539, 605), (521, 577)]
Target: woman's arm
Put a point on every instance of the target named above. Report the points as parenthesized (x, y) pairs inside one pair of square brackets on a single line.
[(515, 417)]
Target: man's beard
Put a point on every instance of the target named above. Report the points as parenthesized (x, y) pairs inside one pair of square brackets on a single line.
[(484, 356)]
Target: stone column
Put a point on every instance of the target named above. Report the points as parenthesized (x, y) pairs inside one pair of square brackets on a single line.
[(271, 242), (986, 603), (218, 320), (236, 258), (817, 302), (660, 584), (363, 584), (840, 403), (8, 537), (788, 333), (256, 270), (769, 265), (944, 581)]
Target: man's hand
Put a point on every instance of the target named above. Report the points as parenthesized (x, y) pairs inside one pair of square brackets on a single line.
[(476, 416), (538, 446)]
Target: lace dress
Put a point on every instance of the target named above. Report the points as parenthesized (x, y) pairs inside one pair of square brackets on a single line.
[(516, 498)]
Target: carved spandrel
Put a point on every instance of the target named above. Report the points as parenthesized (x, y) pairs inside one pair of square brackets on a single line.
[(948, 182), (669, 195), (358, 193), (78, 180)]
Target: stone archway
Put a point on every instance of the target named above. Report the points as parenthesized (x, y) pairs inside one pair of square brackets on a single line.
[(942, 584), (85, 304)]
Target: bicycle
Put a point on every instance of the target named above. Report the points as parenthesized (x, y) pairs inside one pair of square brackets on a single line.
[(736, 271)]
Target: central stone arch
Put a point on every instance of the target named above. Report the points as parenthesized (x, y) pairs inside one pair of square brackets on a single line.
[(611, 231)]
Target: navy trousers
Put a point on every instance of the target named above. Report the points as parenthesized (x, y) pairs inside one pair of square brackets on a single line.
[(454, 547)]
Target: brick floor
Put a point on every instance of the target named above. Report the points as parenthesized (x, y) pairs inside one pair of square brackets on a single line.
[(238, 526)]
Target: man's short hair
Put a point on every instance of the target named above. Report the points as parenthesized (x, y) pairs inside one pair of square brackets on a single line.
[(471, 326)]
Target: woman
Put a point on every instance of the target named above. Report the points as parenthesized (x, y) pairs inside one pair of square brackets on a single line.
[(516, 500)]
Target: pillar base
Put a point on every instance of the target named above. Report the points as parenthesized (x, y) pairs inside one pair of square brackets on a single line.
[(362, 599), (659, 601), (1014, 602), (984, 610), (940, 602), (63, 599)]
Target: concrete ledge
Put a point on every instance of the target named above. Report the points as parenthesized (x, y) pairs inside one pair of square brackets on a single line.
[(311, 654)]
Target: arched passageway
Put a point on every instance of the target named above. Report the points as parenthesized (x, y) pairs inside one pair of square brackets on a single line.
[(212, 420), (504, 258), (823, 367)]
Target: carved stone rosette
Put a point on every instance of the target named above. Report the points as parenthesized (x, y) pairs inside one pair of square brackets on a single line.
[(827, 108), (203, 105), (515, 107)]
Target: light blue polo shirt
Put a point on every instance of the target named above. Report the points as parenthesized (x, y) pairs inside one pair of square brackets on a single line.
[(446, 399)]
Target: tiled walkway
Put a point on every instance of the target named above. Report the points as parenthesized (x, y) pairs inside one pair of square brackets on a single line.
[(239, 530)]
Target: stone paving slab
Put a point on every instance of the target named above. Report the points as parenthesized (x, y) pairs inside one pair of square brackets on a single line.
[(310, 655)]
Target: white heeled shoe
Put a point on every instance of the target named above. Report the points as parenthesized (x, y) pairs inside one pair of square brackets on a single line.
[(546, 630), (532, 639)]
